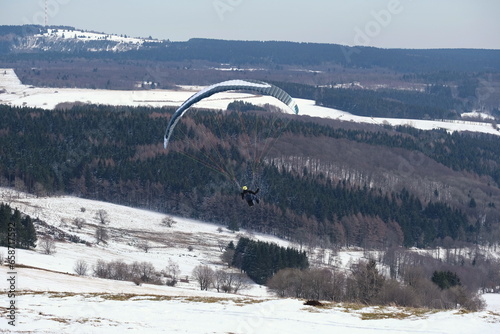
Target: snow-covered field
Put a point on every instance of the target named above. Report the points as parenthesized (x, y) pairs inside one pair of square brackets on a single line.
[(50, 298), (13, 92)]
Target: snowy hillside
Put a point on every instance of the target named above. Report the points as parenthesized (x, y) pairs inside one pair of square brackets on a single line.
[(52, 299), (13, 92)]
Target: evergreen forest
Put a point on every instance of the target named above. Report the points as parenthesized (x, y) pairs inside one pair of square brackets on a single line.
[(275, 53), (116, 154), (16, 230), (262, 260)]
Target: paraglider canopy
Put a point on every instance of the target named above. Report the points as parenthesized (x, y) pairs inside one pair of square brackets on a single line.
[(230, 85)]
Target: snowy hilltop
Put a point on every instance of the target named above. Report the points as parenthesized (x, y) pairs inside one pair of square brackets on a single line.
[(68, 39)]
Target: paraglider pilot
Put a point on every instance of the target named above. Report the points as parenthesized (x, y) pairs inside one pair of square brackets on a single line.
[(250, 196)]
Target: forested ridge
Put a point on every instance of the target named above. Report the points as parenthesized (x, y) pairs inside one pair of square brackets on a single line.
[(260, 52), (435, 102), (115, 154)]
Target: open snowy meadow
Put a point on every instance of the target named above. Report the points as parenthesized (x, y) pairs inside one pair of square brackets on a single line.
[(51, 298)]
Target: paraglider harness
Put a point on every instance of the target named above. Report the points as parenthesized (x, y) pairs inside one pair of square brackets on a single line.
[(250, 196)]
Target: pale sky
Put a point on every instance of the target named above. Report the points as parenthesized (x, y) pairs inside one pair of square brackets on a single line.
[(379, 23)]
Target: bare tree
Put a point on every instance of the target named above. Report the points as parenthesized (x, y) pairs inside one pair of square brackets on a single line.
[(228, 282), (366, 281), (48, 245), (119, 270), (235, 282), (143, 271), (287, 282), (337, 285), (81, 267), (102, 216), (101, 269), (392, 292), (173, 269), (204, 275), (135, 272), (317, 283), (101, 235), (220, 279), (40, 190), (168, 222), (144, 245), (79, 222), (227, 256)]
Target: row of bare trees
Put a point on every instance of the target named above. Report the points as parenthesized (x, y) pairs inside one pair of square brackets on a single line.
[(220, 280), (137, 272), (363, 283), (477, 270)]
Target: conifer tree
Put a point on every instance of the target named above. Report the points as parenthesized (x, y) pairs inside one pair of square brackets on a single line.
[(30, 238), (445, 279)]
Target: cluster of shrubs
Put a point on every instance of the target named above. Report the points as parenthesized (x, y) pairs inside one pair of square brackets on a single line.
[(222, 281), (364, 284), (137, 272)]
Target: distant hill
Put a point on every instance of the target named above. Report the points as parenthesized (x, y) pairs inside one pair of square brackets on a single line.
[(404, 60), (68, 42)]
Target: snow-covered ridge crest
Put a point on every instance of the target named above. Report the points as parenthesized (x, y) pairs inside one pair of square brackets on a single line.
[(69, 40), (93, 36)]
